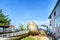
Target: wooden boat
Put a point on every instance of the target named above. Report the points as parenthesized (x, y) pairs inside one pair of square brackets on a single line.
[(13, 35)]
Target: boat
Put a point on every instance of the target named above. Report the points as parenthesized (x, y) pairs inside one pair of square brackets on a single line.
[(13, 35)]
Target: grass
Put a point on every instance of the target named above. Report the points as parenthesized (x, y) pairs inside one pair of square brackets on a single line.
[(28, 38)]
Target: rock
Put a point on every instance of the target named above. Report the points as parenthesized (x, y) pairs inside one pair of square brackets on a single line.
[(33, 28), (44, 38), (42, 32)]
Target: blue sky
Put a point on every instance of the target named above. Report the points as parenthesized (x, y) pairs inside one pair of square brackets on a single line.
[(23, 11)]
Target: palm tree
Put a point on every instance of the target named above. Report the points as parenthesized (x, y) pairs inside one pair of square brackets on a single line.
[(44, 25)]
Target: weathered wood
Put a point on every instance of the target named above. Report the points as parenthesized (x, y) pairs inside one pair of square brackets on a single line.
[(15, 37)]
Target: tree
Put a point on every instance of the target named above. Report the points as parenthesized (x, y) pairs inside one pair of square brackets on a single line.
[(4, 20), (44, 25), (21, 27), (48, 29)]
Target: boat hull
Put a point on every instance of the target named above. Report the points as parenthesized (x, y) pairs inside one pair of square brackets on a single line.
[(14, 37)]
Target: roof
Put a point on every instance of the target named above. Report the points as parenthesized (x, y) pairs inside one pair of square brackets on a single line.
[(54, 9), (11, 26)]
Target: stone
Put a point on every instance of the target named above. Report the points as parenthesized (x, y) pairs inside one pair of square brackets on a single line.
[(32, 27)]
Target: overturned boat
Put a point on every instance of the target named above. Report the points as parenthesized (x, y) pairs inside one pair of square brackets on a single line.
[(9, 34)]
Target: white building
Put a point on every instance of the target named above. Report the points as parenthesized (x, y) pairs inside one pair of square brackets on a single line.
[(55, 19)]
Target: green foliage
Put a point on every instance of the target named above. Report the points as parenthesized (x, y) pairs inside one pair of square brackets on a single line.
[(21, 27), (4, 20), (44, 25), (27, 38)]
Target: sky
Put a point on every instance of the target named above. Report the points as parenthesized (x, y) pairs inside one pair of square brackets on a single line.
[(23, 11)]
